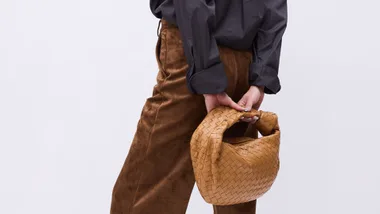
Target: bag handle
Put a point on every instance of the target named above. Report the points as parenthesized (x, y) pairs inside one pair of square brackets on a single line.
[(266, 124)]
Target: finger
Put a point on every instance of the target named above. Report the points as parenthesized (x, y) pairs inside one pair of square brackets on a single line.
[(234, 105), (243, 101), (246, 119), (250, 102), (254, 119), (209, 106)]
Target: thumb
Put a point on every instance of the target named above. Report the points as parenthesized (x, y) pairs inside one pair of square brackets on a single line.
[(226, 100)]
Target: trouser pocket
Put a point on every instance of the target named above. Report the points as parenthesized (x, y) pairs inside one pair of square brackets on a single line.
[(160, 56)]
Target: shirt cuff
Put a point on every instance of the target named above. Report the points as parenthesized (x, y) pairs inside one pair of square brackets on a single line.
[(261, 75), (212, 80)]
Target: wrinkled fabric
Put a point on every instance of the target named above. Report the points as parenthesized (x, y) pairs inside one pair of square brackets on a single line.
[(256, 25), (157, 176)]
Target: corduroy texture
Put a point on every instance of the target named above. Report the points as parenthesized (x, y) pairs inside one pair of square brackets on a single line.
[(239, 169), (157, 176)]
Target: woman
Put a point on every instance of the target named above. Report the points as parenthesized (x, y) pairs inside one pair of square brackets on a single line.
[(209, 53)]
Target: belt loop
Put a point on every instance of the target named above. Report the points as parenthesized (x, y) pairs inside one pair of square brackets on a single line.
[(158, 28)]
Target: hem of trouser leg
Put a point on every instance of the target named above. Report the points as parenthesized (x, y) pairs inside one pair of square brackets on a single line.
[(148, 146)]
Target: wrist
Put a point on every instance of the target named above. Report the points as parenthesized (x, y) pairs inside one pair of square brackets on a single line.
[(212, 95), (260, 88)]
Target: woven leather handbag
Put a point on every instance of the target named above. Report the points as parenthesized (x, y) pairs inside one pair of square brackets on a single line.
[(235, 169)]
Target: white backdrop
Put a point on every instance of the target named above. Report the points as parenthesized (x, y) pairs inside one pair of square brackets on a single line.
[(75, 74)]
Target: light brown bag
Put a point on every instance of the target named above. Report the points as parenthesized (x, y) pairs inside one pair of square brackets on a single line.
[(235, 170)]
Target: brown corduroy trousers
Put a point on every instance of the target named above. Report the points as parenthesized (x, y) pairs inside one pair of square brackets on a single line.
[(157, 176)]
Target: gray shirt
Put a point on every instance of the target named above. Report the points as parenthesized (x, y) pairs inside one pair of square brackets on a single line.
[(256, 25)]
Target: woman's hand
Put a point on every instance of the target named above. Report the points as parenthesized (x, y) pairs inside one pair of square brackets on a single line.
[(252, 99), (222, 99)]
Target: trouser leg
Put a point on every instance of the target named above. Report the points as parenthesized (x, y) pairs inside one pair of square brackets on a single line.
[(157, 175), (244, 208)]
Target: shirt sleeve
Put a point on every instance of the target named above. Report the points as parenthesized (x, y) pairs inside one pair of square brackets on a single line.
[(196, 22), (267, 47)]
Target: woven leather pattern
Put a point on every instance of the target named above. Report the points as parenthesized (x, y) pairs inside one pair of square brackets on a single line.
[(234, 170)]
